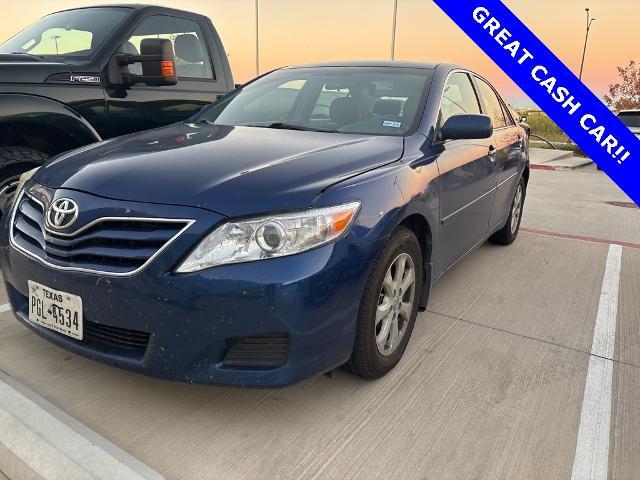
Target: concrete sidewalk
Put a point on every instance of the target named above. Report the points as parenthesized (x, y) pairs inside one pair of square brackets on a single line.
[(39, 441), (557, 159)]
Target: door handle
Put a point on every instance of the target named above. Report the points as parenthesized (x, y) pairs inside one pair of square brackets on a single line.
[(492, 153)]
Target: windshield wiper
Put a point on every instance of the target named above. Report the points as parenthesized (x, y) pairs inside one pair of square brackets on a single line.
[(289, 126), (204, 121), (41, 57)]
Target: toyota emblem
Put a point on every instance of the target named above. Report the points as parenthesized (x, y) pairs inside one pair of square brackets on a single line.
[(62, 213)]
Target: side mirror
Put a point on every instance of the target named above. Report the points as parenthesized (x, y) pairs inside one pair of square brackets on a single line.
[(467, 127), (158, 65)]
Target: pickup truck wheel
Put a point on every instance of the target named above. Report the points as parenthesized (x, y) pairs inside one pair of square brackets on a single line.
[(14, 161), (507, 234), (388, 308)]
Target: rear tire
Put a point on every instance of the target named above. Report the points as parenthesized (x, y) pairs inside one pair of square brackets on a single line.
[(14, 161), (391, 297), (507, 234)]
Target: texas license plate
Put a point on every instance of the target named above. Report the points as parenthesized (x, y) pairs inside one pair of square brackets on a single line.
[(55, 310)]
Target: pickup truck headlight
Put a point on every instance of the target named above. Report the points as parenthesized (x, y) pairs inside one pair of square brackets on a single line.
[(24, 178), (8, 202), (270, 236)]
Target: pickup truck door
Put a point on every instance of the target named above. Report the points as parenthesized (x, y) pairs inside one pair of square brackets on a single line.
[(143, 107), (467, 178)]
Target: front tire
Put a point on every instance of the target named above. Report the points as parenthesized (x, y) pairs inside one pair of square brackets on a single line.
[(389, 307), (507, 234)]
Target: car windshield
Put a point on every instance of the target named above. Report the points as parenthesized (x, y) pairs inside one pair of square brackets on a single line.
[(68, 34), (630, 119), (363, 100)]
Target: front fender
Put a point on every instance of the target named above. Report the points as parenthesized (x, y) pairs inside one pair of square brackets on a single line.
[(402, 191), (389, 195), (43, 115)]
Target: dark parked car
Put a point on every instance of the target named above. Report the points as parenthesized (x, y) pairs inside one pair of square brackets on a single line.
[(631, 118), (293, 226), (76, 77)]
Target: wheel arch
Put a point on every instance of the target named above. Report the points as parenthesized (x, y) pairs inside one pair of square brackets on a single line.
[(419, 225), (525, 175), (42, 124)]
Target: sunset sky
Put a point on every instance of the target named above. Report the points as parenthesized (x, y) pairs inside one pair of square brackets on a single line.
[(303, 31)]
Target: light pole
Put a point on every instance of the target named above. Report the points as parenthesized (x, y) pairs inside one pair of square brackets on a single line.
[(586, 39), (257, 39), (55, 39), (393, 31)]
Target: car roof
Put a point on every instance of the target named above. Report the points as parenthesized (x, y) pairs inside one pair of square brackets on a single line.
[(132, 6), (369, 63)]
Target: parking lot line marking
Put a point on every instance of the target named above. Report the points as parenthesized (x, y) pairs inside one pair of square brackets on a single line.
[(580, 237), (592, 447), (5, 308)]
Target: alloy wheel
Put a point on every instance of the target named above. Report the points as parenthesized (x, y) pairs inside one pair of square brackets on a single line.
[(395, 304), (516, 210)]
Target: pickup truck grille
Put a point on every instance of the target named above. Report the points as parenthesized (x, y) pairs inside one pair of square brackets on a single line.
[(117, 246)]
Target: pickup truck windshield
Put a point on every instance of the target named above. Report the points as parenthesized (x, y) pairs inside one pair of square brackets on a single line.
[(363, 100), (74, 34)]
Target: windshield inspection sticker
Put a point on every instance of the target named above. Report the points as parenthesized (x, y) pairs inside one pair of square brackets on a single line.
[(552, 86), (392, 124)]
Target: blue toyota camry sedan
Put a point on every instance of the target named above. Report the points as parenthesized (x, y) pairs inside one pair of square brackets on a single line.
[(293, 226)]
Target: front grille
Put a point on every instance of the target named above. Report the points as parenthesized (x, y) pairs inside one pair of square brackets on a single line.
[(116, 336), (268, 350), (107, 245)]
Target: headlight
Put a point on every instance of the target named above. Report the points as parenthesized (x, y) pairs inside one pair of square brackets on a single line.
[(270, 236)]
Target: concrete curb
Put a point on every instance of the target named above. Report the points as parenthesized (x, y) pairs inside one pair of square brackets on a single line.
[(40, 441), (541, 155), (563, 165)]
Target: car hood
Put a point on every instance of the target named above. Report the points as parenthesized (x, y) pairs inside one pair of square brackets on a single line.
[(230, 170), (26, 69)]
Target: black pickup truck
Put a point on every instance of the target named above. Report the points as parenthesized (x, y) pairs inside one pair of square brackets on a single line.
[(83, 75)]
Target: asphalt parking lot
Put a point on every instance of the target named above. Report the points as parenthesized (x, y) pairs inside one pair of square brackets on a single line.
[(492, 384)]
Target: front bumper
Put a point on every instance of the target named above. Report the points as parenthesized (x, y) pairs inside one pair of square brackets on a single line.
[(193, 320)]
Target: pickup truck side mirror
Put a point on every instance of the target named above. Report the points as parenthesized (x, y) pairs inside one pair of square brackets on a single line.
[(467, 127), (158, 65)]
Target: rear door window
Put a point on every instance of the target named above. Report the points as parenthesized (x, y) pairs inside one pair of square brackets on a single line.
[(491, 103), (511, 121)]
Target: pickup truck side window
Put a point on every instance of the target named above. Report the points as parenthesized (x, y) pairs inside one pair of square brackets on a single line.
[(192, 58), (492, 104)]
